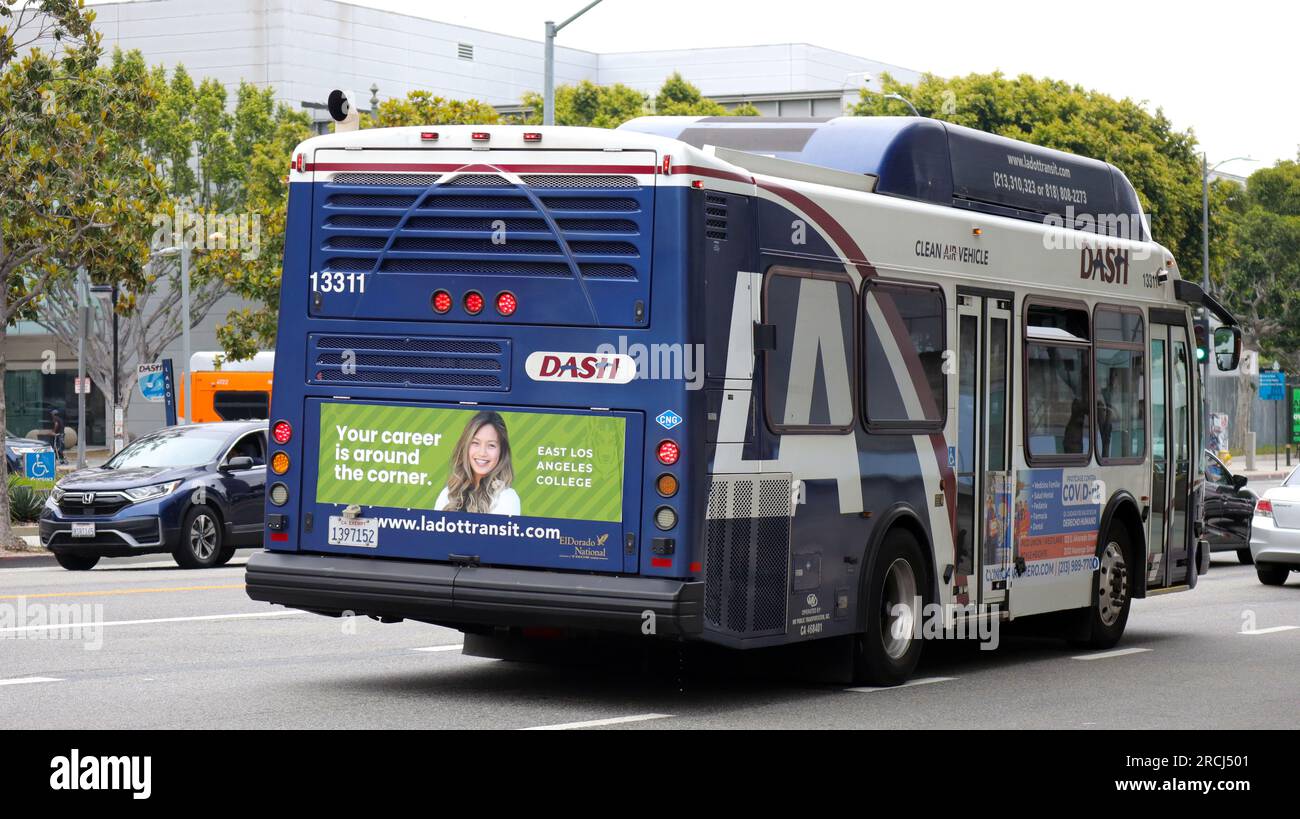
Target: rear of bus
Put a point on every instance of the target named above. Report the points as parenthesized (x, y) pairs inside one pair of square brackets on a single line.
[(457, 432)]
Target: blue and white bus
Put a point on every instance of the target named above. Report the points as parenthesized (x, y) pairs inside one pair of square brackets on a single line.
[(746, 381)]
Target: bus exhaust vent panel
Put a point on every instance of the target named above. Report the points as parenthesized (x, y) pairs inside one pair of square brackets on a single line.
[(552, 240), (409, 362), (747, 546)]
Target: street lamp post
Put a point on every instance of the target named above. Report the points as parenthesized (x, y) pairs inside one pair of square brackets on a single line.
[(1206, 170), (109, 292), (548, 96), (184, 250)]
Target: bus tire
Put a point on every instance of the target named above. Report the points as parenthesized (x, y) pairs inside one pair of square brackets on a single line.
[(887, 652), (1101, 625), (76, 562), (200, 544)]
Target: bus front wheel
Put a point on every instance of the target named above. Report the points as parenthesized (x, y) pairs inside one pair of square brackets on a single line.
[(887, 652), (1102, 624)]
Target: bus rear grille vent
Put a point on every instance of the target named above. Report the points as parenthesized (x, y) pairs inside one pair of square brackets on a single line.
[(396, 361), (747, 554), (715, 216)]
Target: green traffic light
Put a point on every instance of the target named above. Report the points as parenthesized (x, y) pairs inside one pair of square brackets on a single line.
[(1200, 354)]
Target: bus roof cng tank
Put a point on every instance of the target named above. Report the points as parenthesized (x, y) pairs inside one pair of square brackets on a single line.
[(933, 161)]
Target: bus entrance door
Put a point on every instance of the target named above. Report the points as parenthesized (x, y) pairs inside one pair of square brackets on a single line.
[(1169, 531), (984, 478)]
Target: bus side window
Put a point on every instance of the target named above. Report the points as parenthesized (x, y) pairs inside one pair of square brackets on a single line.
[(1119, 357), (241, 405), (808, 376), (1058, 382), (905, 387)]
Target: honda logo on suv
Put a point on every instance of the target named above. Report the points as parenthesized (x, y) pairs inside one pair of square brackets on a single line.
[(88, 498)]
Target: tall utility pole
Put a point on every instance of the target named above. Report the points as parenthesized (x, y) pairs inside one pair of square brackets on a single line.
[(548, 96), (185, 325), (83, 303)]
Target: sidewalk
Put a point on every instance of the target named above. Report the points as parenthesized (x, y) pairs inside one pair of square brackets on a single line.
[(1264, 469)]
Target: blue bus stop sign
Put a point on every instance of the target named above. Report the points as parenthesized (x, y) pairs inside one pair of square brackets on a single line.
[(39, 465), (1272, 385)]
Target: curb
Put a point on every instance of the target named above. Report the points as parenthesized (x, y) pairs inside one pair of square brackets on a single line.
[(13, 560)]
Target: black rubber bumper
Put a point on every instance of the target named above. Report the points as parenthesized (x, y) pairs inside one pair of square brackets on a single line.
[(456, 596)]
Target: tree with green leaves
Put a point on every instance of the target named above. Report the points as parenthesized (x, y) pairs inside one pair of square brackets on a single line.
[(1260, 282), (423, 108), (1158, 159), (62, 156), (609, 106)]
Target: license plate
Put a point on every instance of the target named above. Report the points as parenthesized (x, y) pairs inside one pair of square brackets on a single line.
[(362, 532), (83, 530)]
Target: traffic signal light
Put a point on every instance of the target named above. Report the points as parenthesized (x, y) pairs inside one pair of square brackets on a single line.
[(1202, 330)]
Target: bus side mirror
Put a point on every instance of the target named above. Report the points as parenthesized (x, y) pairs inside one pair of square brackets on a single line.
[(1227, 348)]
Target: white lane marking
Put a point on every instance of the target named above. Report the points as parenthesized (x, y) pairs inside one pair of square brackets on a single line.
[(1273, 630), (110, 568), (453, 647), (29, 680), (870, 689), (90, 624), (596, 723), (1105, 655)]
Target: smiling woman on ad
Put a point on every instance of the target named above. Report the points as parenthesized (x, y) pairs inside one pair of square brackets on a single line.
[(481, 472)]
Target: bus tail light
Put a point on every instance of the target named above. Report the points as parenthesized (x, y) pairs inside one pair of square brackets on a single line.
[(507, 303), (281, 432), (668, 452), (480, 136), (473, 302), (665, 518), (531, 136), (666, 485), (429, 136), (280, 463), (441, 301), (1264, 508), (299, 163), (278, 494)]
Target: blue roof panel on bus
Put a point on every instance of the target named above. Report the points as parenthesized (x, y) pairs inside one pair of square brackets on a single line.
[(925, 159)]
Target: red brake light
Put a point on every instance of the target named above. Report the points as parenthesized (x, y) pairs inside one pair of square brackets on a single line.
[(1264, 508), (506, 303), (473, 302), (441, 301), (299, 162), (281, 432), (530, 136), (668, 452), (480, 136), (429, 135)]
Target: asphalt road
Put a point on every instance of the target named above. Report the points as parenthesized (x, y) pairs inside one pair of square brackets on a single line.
[(188, 649)]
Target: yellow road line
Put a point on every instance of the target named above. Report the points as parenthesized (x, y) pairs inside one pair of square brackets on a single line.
[(120, 591)]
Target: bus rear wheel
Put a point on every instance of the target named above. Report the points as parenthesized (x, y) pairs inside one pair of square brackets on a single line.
[(1101, 625), (895, 582)]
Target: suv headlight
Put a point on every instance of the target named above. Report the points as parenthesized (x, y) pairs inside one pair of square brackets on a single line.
[(149, 492), (57, 493)]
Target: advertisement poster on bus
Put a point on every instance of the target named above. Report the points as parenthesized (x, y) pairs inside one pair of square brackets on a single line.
[(550, 465), (1057, 517)]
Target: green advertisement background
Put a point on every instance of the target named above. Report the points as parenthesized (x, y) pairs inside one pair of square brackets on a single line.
[(527, 431)]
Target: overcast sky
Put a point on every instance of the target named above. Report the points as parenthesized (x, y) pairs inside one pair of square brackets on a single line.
[(1228, 70)]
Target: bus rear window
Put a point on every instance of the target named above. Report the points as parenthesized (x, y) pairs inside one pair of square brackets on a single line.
[(241, 405)]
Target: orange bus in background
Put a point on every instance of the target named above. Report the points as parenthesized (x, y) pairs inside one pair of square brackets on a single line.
[(234, 391)]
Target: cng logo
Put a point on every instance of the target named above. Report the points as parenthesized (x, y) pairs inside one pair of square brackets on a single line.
[(668, 419), (611, 368)]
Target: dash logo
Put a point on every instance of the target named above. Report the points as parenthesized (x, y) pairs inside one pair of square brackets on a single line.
[(75, 772), (611, 368)]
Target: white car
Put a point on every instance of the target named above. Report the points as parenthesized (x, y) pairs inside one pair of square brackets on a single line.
[(1275, 532)]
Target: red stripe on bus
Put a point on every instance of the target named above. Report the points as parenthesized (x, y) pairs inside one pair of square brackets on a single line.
[(647, 170), (700, 170)]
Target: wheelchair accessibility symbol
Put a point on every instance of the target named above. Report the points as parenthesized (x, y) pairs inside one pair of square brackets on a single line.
[(39, 465)]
